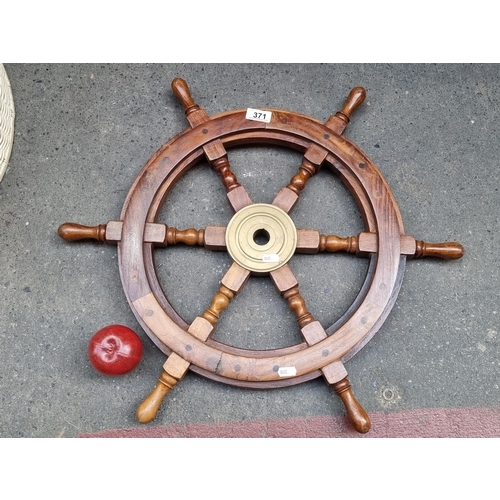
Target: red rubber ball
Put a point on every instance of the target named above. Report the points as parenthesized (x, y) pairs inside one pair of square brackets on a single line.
[(115, 350)]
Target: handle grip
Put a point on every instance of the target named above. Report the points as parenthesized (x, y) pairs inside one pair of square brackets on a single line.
[(356, 96), (70, 231), (357, 416), (148, 409), (181, 90), (448, 250)]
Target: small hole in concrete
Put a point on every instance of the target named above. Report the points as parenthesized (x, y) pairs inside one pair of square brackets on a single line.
[(388, 394)]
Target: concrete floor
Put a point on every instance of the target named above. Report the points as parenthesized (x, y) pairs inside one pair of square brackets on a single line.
[(84, 131)]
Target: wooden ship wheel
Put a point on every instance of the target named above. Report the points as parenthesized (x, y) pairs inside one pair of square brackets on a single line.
[(261, 239)]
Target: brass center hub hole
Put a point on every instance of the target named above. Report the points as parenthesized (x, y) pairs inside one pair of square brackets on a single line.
[(261, 238)]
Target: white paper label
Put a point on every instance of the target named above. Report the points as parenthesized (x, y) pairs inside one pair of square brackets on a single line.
[(287, 371), (258, 115), (270, 257)]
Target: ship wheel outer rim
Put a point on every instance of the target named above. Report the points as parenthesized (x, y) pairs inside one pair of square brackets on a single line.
[(290, 130)]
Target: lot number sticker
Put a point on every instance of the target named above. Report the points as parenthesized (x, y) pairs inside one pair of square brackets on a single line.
[(258, 115), (287, 371)]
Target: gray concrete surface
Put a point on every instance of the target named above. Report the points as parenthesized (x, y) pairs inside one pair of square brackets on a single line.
[(83, 132)]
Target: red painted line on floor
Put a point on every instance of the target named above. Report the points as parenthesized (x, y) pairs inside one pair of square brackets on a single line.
[(425, 423)]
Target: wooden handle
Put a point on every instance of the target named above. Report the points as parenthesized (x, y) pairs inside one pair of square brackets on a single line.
[(355, 413), (73, 232), (181, 90), (354, 99), (448, 250), (148, 409)]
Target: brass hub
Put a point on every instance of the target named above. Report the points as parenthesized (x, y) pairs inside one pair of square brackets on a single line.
[(261, 238)]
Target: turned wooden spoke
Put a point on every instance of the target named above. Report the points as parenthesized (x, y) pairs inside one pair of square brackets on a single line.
[(298, 306), (189, 236), (334, 243), (315, 155), (214, 151), (288, 196), (222, 167), (219, 303), (231, 284), (298, 182), (287, 284), (311, 241), (211, 237)]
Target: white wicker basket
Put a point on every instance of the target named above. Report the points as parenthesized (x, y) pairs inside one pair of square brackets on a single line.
[(7, 115)]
